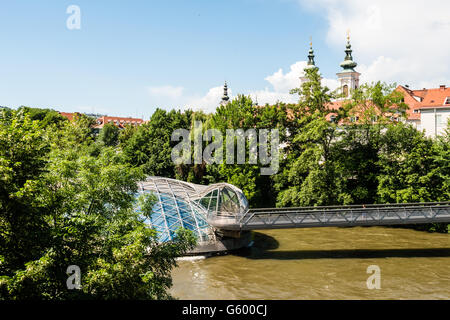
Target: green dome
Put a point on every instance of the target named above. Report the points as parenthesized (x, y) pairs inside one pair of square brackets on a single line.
[(348, 64), (311, 63)]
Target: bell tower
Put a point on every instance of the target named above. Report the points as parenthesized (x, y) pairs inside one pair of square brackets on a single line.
[(348, 78)]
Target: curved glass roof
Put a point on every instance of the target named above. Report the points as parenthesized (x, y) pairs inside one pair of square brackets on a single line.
[(186, 205)]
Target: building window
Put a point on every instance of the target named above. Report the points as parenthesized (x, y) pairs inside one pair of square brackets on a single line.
[(447, 101), (396, 119), (345, 90)]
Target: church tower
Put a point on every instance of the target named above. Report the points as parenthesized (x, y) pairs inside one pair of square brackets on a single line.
[(348, 78), (311, 63), (225, 98)]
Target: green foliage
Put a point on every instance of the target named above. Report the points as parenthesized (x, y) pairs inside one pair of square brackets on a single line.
[(23, 158), (241, 113), (150, 146), (67, 201), (413, 168), (109, 135), (46, 117), (314, 175), (376, 104)]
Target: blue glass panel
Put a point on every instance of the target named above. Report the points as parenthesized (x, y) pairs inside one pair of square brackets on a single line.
[(166, 214)]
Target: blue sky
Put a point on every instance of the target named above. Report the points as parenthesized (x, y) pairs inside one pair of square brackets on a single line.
[(130, 57)]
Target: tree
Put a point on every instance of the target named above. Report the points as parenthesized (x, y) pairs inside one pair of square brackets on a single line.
[(45, 116), (126, 134), (24, 153), (109, 135), (313, 176), (241, 113), (413, 168), (83, 213), (370, 110), (150, 146)]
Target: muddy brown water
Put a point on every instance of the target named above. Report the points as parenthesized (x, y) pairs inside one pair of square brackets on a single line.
[(323, 263)]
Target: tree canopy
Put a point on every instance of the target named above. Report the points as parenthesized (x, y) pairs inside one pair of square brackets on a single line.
[(67, 201)]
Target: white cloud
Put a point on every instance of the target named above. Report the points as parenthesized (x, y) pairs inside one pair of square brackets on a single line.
[(285, 82), (272, 97), (170, 97), (403, 41), (209, 102), (281, 83)]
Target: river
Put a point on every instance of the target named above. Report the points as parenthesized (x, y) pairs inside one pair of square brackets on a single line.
[(323, 263)]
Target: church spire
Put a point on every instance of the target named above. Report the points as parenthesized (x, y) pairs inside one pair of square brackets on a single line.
[(311, 62), (225, 97), (348, 64), (348, 78)]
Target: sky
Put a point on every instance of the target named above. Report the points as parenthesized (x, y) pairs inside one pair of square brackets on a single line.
[(128, 58)]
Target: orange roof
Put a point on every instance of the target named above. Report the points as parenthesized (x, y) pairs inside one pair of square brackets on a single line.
[(423, 99), (436, 98), (68, 115), (335, 105), (118, 121), (412, 99)]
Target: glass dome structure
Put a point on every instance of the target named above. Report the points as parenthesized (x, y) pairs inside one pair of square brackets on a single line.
[(186, 205)]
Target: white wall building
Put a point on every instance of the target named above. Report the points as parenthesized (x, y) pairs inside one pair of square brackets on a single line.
[(429, 109)]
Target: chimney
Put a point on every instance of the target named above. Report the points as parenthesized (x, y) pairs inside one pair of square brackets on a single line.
[(442, 87)]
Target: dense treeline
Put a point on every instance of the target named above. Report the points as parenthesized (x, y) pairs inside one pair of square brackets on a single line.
[(67, 194), (67, 198)]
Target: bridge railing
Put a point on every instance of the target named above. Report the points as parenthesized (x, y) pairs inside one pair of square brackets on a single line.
[(267, 218), (358, 206)]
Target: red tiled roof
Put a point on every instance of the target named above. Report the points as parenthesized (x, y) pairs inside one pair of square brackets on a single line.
[(427, 98), (436, 97), (118, 121), (68, 115)]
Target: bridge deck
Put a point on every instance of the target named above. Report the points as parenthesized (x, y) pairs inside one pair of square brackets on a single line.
[(335, 216)]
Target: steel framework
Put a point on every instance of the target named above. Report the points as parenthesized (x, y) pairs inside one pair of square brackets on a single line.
[(334, 216)]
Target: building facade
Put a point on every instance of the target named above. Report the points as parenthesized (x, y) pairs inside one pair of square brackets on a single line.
[(119, 122), (429, 109)]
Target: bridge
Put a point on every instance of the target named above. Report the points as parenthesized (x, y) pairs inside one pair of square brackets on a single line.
[(333, 216), (220, 217)]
